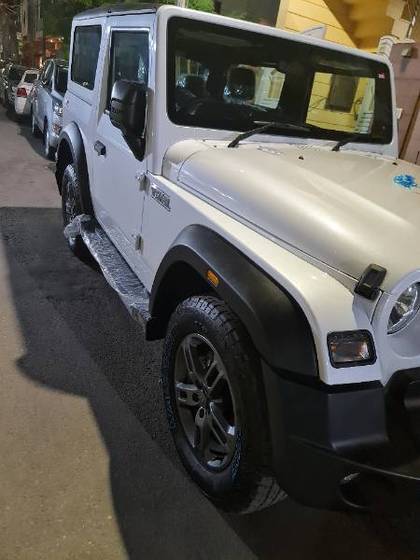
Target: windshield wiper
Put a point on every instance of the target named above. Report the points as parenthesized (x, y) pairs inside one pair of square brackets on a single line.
[(267, 126), (345, 141)]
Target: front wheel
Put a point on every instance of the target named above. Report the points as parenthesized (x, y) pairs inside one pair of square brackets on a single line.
[(71, 207), (215, 405)]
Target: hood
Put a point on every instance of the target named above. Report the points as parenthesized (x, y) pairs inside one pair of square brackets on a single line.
[(346, 209)]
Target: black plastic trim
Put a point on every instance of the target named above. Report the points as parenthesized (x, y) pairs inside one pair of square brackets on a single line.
[(320, 435), (276, 323), (370, 281), (71, 137)]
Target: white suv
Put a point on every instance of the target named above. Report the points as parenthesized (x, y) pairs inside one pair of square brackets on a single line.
[(239, 187)]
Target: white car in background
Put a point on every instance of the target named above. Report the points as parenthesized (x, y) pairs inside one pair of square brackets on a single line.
[(23, 91)]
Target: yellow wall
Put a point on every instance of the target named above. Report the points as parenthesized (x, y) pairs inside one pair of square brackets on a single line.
[(298, 15)]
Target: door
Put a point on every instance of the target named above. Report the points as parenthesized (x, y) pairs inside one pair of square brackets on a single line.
[(118, 198), (43, 94)]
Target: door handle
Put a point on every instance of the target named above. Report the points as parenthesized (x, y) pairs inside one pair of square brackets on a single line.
[(100, 148)]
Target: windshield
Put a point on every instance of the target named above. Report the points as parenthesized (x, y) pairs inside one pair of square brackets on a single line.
[(231, 79), (61, 79), (30, 77), (16, 73)]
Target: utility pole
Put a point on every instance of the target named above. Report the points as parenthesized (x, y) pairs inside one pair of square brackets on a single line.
[(182, 3)]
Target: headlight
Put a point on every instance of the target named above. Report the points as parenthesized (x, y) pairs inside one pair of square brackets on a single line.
[(405, 309), (58, 109)]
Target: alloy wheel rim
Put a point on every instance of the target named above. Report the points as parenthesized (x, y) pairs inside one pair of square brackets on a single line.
[(205, 402)]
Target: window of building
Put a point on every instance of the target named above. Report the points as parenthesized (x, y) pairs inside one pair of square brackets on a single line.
[(87, 40), (342, 102), (129, 58)]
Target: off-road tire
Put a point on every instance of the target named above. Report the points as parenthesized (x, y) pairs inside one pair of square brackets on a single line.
[(247, 483), (70, 197)]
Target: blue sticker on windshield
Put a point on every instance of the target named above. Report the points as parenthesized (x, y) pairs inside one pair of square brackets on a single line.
[(407, 182)]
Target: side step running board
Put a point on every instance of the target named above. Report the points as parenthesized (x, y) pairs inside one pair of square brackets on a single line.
[(114, 268)]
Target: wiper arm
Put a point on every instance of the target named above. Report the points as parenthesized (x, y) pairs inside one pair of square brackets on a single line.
[(345, 141), (265, 127)]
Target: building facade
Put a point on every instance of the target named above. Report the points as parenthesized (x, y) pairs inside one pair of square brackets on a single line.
[(36, 46)]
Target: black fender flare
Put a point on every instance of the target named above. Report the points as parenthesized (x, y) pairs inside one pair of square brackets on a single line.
[(71, 149), (276, 323)]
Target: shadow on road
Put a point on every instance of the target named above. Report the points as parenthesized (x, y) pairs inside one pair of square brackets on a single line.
[(80, 340), (24, 130)]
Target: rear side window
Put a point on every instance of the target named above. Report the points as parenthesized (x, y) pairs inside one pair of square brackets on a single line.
[(30, 77), (87, 40)]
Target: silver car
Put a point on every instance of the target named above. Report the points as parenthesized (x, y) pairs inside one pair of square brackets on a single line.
[(47, 104)]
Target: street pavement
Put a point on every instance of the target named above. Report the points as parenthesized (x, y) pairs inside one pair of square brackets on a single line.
[(87, 466)]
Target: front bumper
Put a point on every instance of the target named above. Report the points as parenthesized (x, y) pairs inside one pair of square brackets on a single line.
[(347, 446)]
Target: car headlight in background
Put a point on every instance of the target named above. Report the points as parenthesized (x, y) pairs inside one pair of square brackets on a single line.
[(58, 109), (405, 309), (351, 348)]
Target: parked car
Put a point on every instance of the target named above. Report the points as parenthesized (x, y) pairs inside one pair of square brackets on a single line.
[(47, 104), (257, 218), (23, 92), (2, 71), (10, 79)]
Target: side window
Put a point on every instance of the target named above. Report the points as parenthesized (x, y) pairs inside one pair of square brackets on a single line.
[(43, 71), (87, 41), (129, 58), (47, 74)]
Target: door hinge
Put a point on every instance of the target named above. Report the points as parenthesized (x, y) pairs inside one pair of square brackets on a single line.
[(139, 243), (142, 181)]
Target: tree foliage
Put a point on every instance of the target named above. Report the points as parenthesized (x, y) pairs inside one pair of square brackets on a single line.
[(58, 14), (203, 5)]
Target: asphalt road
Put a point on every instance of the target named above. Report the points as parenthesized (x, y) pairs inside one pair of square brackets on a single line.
[(87, 466)]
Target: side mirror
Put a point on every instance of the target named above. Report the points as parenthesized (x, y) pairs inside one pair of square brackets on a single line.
[(128, 113)]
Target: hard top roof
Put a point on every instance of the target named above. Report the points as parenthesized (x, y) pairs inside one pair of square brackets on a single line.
[(118, 9)]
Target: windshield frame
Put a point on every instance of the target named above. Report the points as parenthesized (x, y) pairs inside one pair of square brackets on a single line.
[(286, 40)]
